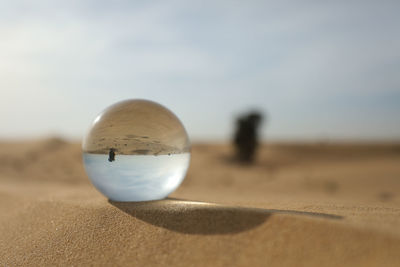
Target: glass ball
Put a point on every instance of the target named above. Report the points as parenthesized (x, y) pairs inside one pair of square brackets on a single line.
[(136, 150)]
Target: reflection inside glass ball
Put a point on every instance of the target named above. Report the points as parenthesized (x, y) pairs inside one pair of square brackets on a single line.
[(136, 150)]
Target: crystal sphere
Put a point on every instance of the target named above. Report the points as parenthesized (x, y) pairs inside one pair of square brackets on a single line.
[(136, 150)]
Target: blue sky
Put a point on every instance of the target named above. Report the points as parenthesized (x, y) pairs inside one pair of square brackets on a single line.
[(320, 69)]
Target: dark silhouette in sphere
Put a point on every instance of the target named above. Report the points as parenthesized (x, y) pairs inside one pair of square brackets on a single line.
[(111, 155), (246, 136)]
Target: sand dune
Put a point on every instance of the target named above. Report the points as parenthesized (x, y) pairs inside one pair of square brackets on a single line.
[(300, 205)]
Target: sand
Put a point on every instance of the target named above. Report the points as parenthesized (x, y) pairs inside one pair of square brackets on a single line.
[(299, 205)]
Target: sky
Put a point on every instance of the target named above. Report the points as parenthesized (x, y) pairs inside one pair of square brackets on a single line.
[(318, 70)]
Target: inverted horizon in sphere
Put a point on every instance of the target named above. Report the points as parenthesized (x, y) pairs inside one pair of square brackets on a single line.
[(136, 150)]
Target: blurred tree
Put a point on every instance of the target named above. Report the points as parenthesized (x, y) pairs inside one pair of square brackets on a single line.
[(246, 136)]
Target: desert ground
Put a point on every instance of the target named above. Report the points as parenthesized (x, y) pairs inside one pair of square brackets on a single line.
[(300, 204)]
